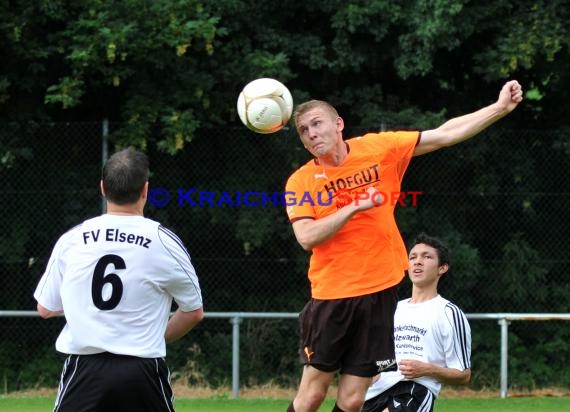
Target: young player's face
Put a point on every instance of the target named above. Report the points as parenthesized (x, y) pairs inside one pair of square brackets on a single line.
[(423, 265), (319, 131)]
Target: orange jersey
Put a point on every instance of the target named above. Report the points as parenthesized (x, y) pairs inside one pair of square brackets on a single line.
[(367, 254)]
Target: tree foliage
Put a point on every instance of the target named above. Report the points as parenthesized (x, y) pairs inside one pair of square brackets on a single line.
[(165, 68)]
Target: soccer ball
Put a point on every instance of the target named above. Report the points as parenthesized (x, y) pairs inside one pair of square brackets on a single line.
[(265, 105)]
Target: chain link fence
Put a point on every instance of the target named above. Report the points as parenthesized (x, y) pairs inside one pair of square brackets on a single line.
[(501, 206)]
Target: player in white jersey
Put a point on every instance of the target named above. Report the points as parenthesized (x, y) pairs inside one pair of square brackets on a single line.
[(114, 278), (432, 339)]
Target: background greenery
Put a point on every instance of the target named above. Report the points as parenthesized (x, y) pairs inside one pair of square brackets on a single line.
[(166, 75)]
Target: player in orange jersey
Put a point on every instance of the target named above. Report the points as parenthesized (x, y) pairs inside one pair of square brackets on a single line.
[(358, 255)]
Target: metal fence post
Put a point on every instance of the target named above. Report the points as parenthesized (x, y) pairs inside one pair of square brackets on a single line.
[(504, 324), (236, 320)]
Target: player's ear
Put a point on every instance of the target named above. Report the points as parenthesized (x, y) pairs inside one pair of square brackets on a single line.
[(339, 124), (102, 188), (144, 191), (443, 269)]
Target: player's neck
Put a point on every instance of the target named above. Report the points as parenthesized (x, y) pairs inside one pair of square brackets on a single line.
[(335, 157), (420, 295), (132, 209)]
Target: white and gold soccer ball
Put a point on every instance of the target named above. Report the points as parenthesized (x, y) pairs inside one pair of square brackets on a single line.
[(265, 105)]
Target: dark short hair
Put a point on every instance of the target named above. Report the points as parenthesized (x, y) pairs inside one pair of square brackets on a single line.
[(443, 256), (124, 176)]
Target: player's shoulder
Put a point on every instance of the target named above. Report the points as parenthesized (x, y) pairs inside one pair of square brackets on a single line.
[(443, 303), (363, 140), (372, 142), (166, 231), (447, 303), (70, 233), (363, 137), (452, 310), (384, 136), (169, 238), (74, 229)]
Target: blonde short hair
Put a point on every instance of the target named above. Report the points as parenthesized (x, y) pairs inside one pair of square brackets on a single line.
[(313, 104)]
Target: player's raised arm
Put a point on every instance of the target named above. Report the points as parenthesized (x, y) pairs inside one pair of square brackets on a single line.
[(464, 127)]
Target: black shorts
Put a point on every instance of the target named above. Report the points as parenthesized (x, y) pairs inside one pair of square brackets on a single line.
[(114, 383), (405, 396), (353, 335)]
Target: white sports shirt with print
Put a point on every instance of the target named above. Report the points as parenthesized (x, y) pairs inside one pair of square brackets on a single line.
[(115, 278), (435, 331)]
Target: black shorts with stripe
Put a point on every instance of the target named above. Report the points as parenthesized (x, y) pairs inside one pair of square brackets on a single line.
[(106, 382), (405, 396), (352, 335)]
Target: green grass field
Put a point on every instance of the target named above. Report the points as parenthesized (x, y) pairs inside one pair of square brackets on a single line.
[(222, 404)]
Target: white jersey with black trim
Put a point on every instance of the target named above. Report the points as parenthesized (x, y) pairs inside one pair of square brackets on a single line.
[(115, 278), (435, 331)]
